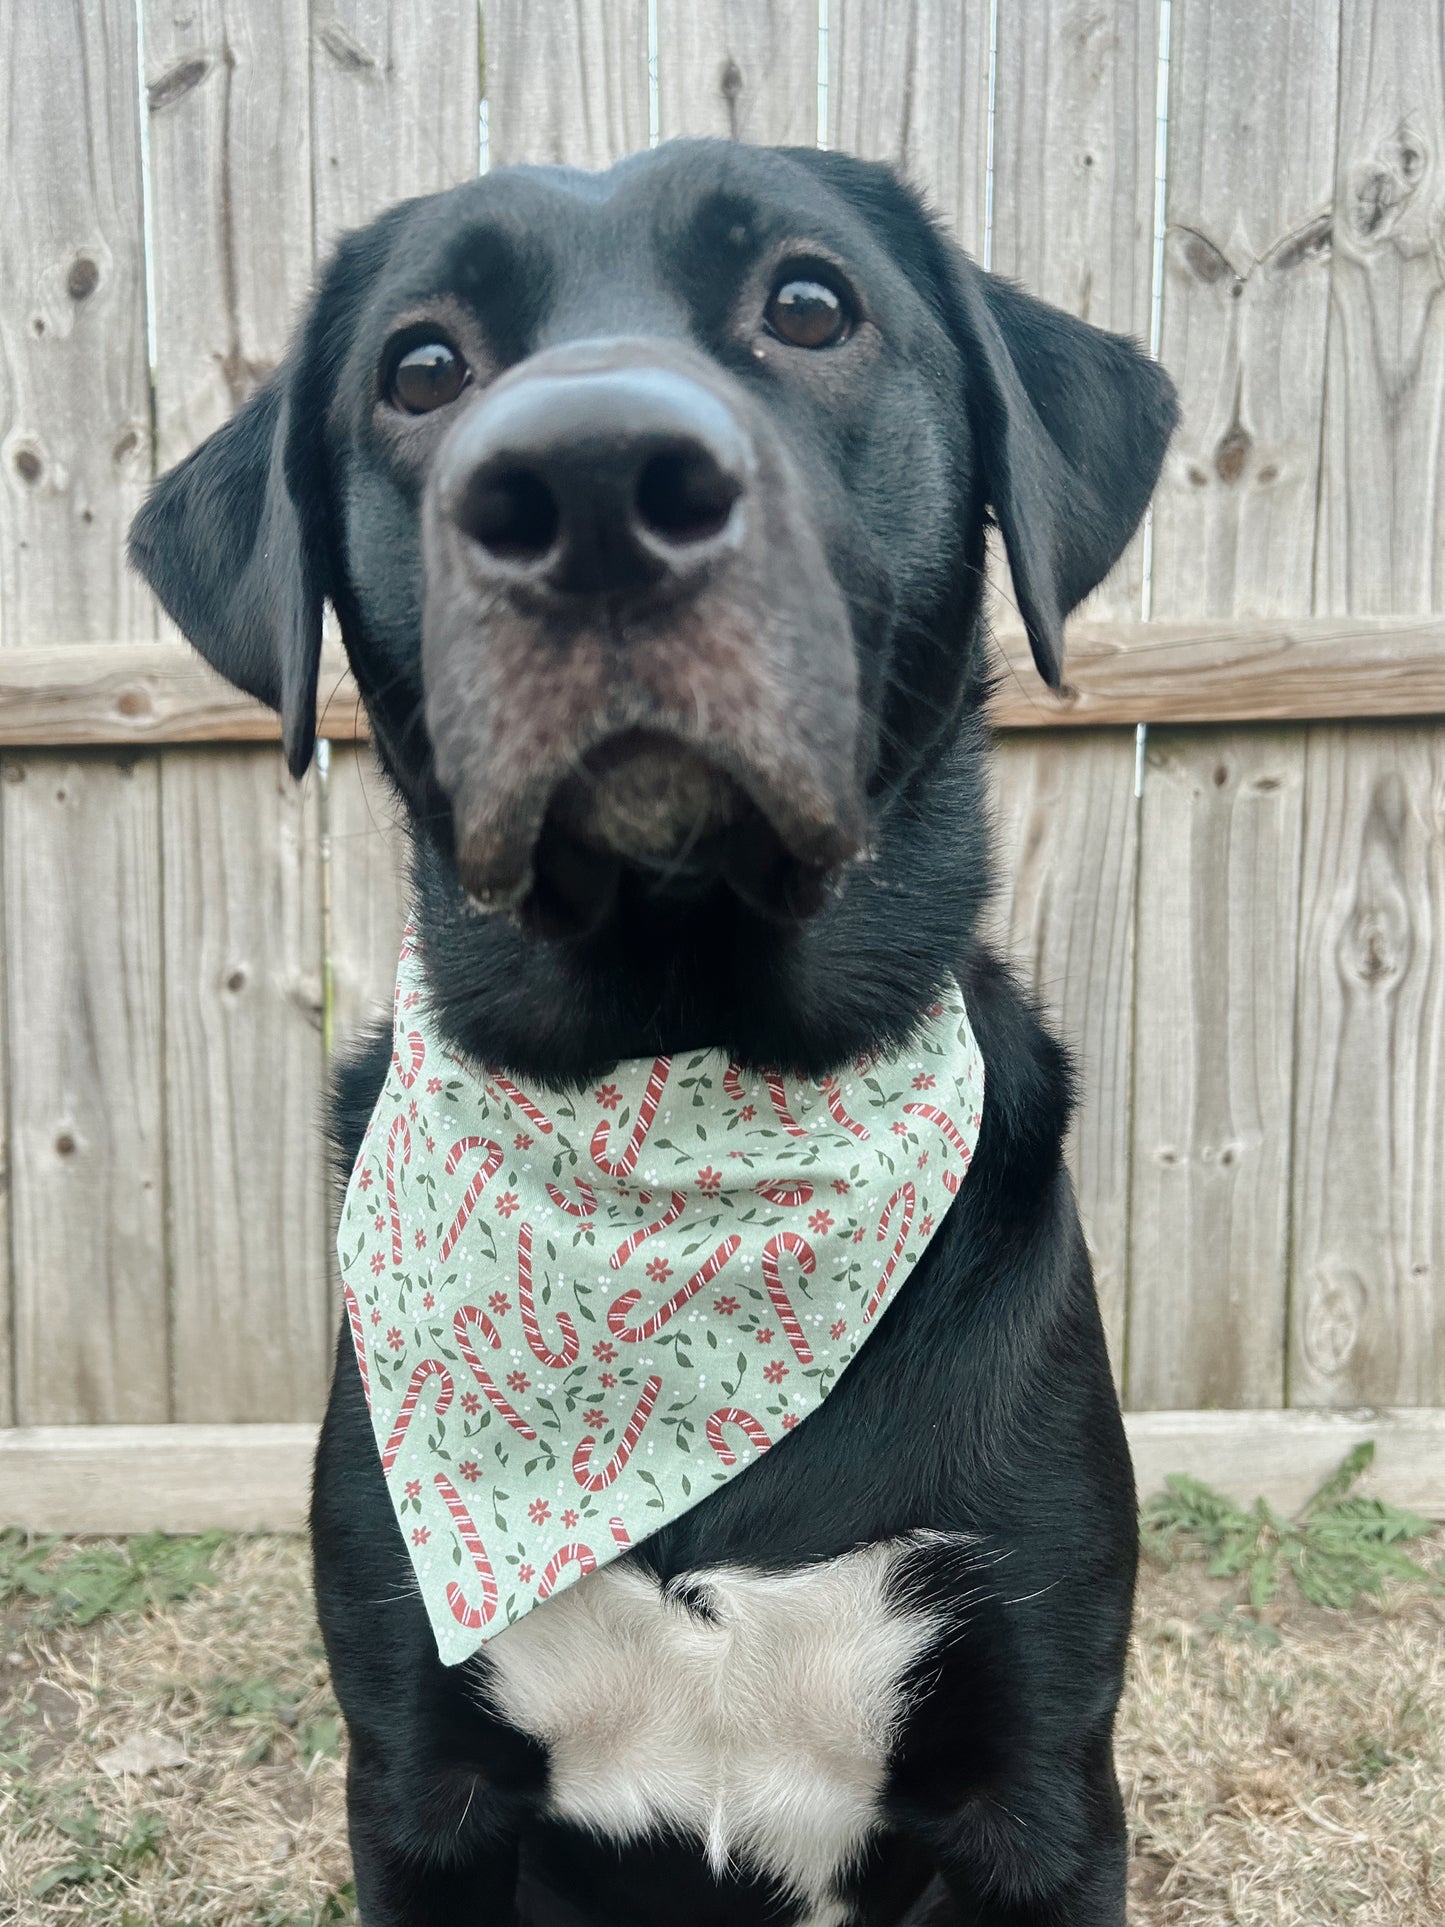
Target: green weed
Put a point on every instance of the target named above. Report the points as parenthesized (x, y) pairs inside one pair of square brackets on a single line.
[(1335, 1550), (146, 1571)]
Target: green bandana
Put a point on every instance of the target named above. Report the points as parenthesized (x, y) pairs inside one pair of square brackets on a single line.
[(575, 1316)]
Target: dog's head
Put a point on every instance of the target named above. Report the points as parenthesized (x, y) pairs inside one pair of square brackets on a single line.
[(652, 506)]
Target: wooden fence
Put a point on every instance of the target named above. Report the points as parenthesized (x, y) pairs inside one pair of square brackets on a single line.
[(1237, 916)]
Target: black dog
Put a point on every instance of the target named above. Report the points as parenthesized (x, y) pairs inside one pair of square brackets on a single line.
[(653, 505)]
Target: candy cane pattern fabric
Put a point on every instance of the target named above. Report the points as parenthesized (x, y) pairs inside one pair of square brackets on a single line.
[(762, 1225)]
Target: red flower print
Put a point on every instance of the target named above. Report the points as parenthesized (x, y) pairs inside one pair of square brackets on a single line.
[(775, 1371), (364, 1181), (899, 1128), (506, 1204), (837, 1329), (607, 1381), (725, 1307), (411, 1110), (922, 1159), (604, 1351), (539, 1512), (659, 1271), (500, 1303), (394, 1338), (524, 1573), (708, 1180), (765, 1334), (379, 1221), (925, 1229), (411, 1000), (433, 1085), (471, 1404), (748, 1113), (378, 1264), (924, 1081), (608, 1096), (858, 1236), (569, 1518), (429, 1302), (468, 1470), (420, 1535), (842, 1187), (518, 1381), (595, 1417), (820, 1222), (522, 1141), (413, 1488), (376, 1318), (420, 1240), (790, 1419), (431, 1143)]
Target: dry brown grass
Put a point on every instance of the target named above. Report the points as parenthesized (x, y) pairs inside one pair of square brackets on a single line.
[(1284, 1788)]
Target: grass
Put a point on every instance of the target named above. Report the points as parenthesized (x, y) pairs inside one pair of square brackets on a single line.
[(1283, 1758)]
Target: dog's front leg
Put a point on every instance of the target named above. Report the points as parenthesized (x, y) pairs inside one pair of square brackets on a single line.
[(411, 1871)]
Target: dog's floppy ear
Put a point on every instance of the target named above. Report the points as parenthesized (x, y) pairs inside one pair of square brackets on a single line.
[(232, 540), (1070, 426)]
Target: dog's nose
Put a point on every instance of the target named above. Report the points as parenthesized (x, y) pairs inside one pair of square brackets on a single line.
[(598, 483)]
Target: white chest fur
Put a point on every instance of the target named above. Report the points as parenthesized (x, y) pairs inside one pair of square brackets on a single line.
[(762, 1729)]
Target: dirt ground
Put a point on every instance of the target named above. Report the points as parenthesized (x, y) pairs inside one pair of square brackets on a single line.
[(1300, 1782)]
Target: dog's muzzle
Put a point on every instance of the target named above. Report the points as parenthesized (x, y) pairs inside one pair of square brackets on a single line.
[(634, 651)]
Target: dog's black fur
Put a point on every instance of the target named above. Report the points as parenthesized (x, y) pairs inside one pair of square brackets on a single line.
[(958, 397)]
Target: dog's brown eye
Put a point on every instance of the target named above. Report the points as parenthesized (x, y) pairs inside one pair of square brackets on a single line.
[(807, 313), (427, 377)]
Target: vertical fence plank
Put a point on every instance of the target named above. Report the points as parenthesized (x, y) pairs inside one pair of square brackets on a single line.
[(394, 92), (566, 79), (1251, 147), (1067, 847), (743, 69), (1368, 1285), (1073, 214), (395, 95), (1073, 223), (229, 101), (80, 835), (909, 84)]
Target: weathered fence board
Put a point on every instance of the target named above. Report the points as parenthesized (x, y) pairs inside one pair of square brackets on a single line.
[(742, 69), (566, 81), (80, 839), (909, 84)]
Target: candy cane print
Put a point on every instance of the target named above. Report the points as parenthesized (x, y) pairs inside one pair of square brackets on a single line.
[(400, 1130), (733, 1083), (906, 1194), (473, 1315), (932, 1114), (591, 1481), (777, 1091), (428, 1368), (624, 1166), (358, 1339), (490, 1165), (586, 1209), (554, 1361), (466, 1615), (416, 1046), (630, 1243), (564, 1556), (787, 1318), (620, 1533), (746, 1424), (833, 1092), (619, 1313), (788, 1195), (520, 1101)]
